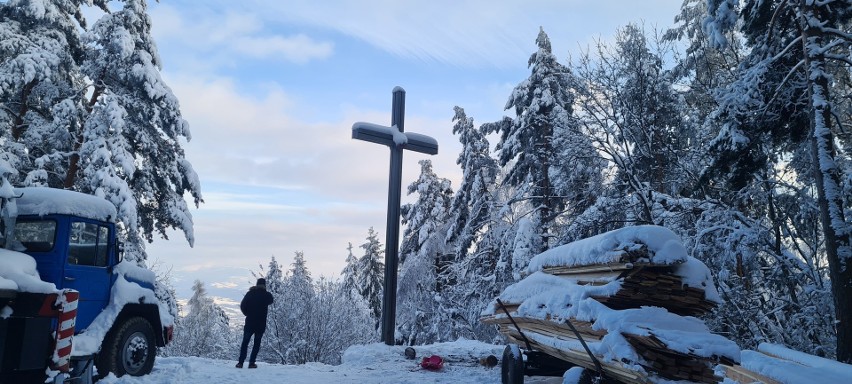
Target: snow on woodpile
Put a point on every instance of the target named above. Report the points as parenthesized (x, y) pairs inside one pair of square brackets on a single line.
[(18, 272), (44, 201), (644, 245), (776, 364), (631, 294), (648, 243)]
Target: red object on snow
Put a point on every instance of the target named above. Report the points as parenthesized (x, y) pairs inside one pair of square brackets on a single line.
[(432, 363)]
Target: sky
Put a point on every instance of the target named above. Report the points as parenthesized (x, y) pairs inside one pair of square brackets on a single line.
[(271, 90)]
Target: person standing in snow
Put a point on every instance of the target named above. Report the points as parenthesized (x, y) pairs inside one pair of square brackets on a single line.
[(255, 306)]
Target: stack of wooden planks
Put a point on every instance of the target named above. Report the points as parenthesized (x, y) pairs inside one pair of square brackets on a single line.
[(642, 283), (674, 365)]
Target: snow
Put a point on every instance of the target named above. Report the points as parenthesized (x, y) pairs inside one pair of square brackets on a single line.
[(373, 363), (378, 363), (544, 295), (663, 245), (399, 137), (413, 136), (135, 272), (695, 274), (5, 312), (664, 248), (383, 135), (830, 370), (18, 272), (792, 367), (44, 201), (127, 289), (559, 298)]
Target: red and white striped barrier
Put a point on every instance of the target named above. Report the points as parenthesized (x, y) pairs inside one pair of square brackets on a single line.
[(67, 303)]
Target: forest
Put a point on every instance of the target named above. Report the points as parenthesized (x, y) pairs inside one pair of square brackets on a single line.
[(731, 128)]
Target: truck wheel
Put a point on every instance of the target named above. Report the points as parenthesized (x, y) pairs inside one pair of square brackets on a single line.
[(512, 365), (128, 349)]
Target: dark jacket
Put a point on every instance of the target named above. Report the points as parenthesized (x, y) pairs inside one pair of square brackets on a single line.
[(255, 306)]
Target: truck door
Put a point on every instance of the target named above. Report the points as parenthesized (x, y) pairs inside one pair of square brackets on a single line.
[(86, 269)]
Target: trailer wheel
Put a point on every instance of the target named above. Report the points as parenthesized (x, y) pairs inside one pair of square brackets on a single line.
[(512, 365), (129, 349)]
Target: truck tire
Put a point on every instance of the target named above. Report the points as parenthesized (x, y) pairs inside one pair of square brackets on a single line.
[(128, 349), (512, 365)]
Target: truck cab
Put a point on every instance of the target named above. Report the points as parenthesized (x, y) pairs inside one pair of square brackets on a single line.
[(72, 237), (73, 253)]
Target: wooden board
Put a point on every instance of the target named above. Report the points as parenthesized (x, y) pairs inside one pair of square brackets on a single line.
[(612, 369), (745, 376), (656, 357)]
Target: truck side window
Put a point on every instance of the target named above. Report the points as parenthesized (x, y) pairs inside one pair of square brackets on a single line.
[(84, 247), (36, 236)]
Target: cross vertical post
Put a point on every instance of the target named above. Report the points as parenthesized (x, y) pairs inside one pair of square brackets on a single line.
[(392, 231), (397, 140)]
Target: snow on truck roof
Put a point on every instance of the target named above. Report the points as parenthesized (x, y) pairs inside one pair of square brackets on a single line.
[(44, 201)]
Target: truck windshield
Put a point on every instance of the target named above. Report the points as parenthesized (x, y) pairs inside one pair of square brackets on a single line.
[(36, 235)]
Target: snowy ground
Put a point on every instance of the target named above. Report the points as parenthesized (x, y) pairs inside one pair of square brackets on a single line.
[(375, 363), (381, 364)]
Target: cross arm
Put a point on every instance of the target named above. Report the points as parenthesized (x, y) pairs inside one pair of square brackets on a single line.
[(392, 137)]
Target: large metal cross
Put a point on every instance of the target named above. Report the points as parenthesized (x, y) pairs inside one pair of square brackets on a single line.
[(397, 140)]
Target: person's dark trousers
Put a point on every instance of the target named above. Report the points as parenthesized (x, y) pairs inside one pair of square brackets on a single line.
[(248, 331)]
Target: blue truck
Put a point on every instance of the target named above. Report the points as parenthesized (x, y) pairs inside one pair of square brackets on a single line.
[(119, 321)]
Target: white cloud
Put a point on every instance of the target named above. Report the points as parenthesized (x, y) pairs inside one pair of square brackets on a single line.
[(254, 140), (478, 33), (299, 48), (231, 36)]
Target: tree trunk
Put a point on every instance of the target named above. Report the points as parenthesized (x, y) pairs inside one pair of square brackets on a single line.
[(74, 159), (18, 126), (827, 178)]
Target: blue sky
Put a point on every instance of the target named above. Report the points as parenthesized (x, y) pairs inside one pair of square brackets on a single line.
[(271, 90)]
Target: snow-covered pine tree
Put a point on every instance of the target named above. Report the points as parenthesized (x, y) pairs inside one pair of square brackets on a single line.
[(424, 218), (424, 312), (146, 122), (542, 105), (275, 340), (91, 113), (472, 227), (41, 87), (349, 274), (471, 206), (204, 331), (371, 274), (298, 304)]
